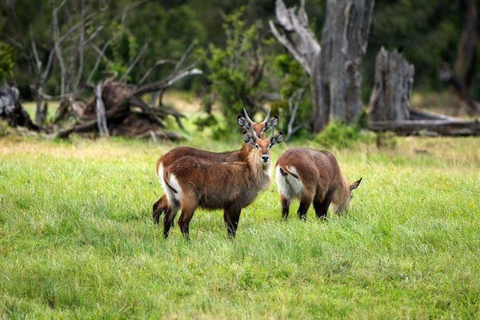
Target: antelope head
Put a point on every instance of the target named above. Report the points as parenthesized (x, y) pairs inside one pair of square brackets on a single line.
[(261, 146), (248, 124)]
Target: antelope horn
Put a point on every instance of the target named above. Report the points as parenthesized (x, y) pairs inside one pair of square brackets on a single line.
[(267, 117), (247, 117)]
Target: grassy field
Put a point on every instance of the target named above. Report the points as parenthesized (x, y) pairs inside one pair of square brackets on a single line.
[(77, 239)]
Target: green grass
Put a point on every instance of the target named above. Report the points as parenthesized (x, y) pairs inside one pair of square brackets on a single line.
[(77, 239)]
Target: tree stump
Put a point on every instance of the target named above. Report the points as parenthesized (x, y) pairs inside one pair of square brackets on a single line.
[(390, 99)]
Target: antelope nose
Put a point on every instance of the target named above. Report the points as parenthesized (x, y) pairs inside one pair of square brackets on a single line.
[(265, 158)]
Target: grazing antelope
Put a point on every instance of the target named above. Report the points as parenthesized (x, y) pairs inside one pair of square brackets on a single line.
[(191, 181), (243, 121), (313, 176)]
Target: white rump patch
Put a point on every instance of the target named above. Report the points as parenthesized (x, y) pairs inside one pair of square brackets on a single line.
[(288, 186), (171, 196)]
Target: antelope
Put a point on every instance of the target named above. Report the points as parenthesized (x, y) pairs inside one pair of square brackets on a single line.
[(190, 182), (243, 121), (313, 176)]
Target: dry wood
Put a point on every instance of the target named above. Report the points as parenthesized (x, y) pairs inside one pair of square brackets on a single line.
[(429, 127), (335, 65), (390, 99)]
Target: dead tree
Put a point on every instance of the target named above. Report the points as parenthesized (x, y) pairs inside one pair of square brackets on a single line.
[(120, 116), (392, 88), (11, 109), (70, 71), (461, 78), (390, 109), (335, 66)]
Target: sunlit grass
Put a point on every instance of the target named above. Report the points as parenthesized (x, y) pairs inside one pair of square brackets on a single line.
[(77, 239)]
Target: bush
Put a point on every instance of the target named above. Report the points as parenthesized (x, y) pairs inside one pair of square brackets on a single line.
[(340, 135)]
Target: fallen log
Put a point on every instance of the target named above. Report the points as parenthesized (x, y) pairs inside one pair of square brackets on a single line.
[(428, 127)]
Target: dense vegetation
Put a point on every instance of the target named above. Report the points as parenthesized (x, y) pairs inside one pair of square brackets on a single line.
[(427, 32)]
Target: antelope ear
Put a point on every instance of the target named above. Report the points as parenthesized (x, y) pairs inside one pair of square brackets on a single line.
[(276, 139), (247, 137), (242, 122), (271, 123), (355, 184)]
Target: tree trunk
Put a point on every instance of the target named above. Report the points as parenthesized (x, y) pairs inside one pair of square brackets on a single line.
[(335, 71), (344, 43), (465, 62), (390, 99)]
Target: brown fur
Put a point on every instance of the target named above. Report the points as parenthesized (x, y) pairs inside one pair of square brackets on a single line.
[(323, 182), (161, 204), (230, 186)]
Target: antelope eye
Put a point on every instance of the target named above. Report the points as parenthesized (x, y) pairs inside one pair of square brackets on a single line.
[(257, 146)]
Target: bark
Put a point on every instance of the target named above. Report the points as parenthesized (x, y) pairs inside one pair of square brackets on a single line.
[(335, 66), (429, 127), (294, 34), (465, 63), (390, 99), (101, 117), (344, 44)]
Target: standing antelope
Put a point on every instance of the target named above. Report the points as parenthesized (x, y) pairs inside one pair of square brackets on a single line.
[(245, 122), (190, 182), (313, 176)]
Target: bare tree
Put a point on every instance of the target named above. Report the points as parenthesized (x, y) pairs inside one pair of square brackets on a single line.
[(461, 77), (335, 66)]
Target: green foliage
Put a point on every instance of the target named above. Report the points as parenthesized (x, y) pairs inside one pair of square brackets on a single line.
[(292, 78), (236, 71), (77, 239), (340, 135), (7, 60)]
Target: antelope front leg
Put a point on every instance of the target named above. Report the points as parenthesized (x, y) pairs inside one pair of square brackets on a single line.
[(231, 216), (321, 207)]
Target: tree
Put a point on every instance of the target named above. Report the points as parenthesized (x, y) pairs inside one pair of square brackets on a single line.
[(237, 71), (335, 70)]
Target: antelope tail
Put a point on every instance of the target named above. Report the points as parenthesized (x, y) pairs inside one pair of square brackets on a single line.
[(167, 182), (284, 171)]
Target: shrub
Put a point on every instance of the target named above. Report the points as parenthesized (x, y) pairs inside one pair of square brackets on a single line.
[(340, 135)]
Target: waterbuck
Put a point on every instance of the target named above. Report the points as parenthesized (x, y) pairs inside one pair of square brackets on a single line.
[(313, 176), (191, 181), (243, 121)]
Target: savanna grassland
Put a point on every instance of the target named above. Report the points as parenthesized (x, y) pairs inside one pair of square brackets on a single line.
[(77, 238)]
